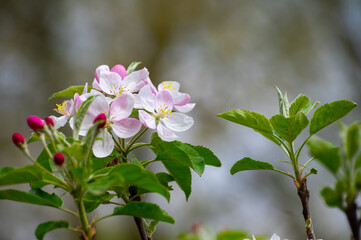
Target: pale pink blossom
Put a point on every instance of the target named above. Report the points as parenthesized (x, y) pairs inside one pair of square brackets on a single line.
[(159, 114)]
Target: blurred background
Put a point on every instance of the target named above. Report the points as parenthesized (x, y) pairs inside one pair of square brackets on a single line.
[(226, 55)]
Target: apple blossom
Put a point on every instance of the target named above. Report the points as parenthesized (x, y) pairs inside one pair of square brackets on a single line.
[(116, 120), (160, 106)]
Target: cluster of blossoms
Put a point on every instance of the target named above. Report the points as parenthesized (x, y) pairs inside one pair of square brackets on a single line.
[(128, 102)]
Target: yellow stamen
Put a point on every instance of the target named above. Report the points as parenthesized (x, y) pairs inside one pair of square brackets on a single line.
[(61, 108), (164, 111), (169, 85)]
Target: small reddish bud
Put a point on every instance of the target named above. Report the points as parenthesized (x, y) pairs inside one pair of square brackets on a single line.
[(101, 117), (18, 139), (109, 164), (35, 123), (115, 161), (49, 121), (59, 159)]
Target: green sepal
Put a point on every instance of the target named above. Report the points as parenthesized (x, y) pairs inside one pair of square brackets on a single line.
[(132, 67)]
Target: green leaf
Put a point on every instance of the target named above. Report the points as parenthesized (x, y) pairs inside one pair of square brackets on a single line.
[(27, 174), (37, 197), (46, 227), (357, 162), (325, 153), (91, 202), (232, 235), (329, 113), (289, 128), (132, 67), (283, 103), (352, 140), (182, 175), (144, 210), (69, 92), (208, 156), (309, 106), (298, 104), (165, 179), (196, 160), (136, 175), (250, 164), (331, 197), (256, 121)]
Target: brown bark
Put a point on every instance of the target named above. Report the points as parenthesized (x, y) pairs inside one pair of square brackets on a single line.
[(304, 196), (351, 213)]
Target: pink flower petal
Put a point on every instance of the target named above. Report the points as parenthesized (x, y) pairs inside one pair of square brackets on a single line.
[(147, 119), (165, 134), (122, 107), (100, 69), (105, 146), (152, 87), (110, 82), (126, 127), (180, 99), (164, 100), (136, 80), (147, 98), (178, 122), (185, 108), (120, 69)]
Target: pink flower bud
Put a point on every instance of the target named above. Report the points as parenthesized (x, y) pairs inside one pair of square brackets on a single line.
[(18, 139), (115, 161), (120, 69), (101, 117), (35, 123), (49, 121), (59, 159)]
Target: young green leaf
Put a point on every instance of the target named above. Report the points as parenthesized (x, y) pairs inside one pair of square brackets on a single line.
[(46, 227), (165, 179), (289, 128), (358, 162), (80, 114), (132, 67), (27, 174), (352, 140), (250, 164), (182, 175), (254, 120), (69, 92), (37, 197), (309, 106), (329, 113), (232, 235), (325, 153), (144, 210), (331, 198), (283, 103), (298, 104), (91, 202)]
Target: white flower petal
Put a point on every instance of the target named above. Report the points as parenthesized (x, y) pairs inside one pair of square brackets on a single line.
[(185, 108), (147, 119), (110, 82), (59, 121), (164, 100), (101, 68), (180, 99), (126, 127), (147, 98), (136, 80), (169, 85), (178, 122), (104, 147), (275, 237), (165, 134)]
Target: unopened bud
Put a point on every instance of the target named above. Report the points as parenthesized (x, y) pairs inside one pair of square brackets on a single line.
[(101, 117), (18, 139), (49, 121), (109, 164), (59, 159), (115, 161), (35, 123)]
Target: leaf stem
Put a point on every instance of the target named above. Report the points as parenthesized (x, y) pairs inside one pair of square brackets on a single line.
[(70, 212)]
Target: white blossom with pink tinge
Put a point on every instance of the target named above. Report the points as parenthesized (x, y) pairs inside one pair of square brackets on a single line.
[(117, 121), (115, 82), (160, 115)]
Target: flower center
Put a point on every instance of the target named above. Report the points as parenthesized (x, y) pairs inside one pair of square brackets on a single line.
[(118, 90), (163, 111), (168, 86), (61, 108)]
